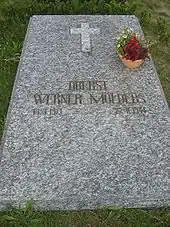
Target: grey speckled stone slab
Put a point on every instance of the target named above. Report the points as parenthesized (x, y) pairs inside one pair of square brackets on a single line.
[(82, 131)]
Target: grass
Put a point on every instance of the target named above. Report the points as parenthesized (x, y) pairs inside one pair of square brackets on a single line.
[(14, 15), (27, 217)]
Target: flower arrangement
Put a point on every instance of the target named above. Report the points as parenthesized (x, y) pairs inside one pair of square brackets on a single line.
[(130, 46)]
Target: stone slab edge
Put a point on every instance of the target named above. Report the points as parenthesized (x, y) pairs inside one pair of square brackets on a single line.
[(13, 91)]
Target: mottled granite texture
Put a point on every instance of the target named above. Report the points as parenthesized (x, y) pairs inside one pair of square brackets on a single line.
[(109, 147)]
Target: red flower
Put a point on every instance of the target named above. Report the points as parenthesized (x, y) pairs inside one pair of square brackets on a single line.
[(132, 50)]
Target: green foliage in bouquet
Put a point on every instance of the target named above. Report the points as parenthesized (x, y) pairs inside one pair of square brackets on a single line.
[(131, 46)]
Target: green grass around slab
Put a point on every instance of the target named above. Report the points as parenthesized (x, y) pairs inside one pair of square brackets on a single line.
[(157, 28), (14, 16), (93, 218)]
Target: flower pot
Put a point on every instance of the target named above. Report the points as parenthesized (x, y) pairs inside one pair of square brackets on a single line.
[(131, 64)]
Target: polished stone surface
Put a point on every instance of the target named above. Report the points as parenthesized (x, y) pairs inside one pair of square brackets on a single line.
[(82, 131)]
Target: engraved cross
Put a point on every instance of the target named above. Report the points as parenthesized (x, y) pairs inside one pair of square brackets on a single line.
[(85, 32)]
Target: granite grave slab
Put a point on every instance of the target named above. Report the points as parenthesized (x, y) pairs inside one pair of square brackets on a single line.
[(82, 131)]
